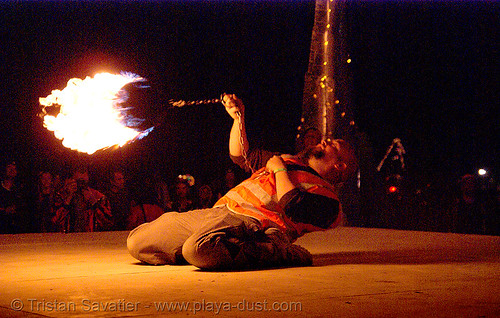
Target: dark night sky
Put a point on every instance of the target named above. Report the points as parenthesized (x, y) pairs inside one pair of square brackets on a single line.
[(425, 72), (429, 74)]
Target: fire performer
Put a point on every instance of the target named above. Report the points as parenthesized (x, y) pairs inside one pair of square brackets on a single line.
[(255, 224)]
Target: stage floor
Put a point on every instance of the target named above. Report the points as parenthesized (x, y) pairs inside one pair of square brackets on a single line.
[(357, 272)]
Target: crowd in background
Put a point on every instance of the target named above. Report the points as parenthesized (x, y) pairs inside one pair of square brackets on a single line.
[(113, 199), (468, 204), (83, 200)]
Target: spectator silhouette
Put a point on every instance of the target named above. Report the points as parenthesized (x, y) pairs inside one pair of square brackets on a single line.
[(182, 198), (469, 209), (12, 200)]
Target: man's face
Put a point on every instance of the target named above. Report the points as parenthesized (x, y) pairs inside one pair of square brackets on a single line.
[(205, 192), (327, 150), (118, 180), (182, 189), (82, 179), (333, 155), (46, 180)]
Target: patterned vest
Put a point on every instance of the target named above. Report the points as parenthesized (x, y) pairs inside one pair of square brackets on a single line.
[(256, 197)]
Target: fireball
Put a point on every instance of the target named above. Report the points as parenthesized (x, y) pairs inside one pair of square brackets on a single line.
[(87, 115)]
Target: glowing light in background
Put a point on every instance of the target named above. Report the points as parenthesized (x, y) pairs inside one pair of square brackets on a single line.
[(482, 172), (89, 116)]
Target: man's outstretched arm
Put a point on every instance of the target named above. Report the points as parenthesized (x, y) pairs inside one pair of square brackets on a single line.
[(238, 143)]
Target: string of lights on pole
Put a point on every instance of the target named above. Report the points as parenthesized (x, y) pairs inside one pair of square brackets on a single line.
[(325, 93)]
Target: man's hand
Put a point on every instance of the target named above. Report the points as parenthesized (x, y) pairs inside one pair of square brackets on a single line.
[(275, 163), (233, 105), (238, 143)]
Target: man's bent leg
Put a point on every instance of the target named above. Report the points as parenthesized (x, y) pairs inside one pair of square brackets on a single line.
[(160, 241), (232, 241), (220, 242)]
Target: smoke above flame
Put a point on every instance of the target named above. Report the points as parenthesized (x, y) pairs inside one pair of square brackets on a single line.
[(87, 115)]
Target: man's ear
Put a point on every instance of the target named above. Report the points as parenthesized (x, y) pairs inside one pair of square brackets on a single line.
[(341, 166)]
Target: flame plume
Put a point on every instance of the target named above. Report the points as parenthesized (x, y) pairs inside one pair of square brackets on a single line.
[(89, 115)]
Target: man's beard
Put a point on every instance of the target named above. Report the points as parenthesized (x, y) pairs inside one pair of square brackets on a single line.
[(313, 152)]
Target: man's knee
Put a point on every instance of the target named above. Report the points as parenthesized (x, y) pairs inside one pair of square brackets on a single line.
[(134, 241), (189, 251), (194, 254), (210, 253), (141, 246)]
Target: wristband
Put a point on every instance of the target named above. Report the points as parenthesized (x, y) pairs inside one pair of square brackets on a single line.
[(279, 170)]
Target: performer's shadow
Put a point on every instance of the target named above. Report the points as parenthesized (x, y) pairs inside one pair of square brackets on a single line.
[(406, 256), (387, 257)]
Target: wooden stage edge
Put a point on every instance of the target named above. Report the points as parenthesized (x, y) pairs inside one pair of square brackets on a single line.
[(357, 272)]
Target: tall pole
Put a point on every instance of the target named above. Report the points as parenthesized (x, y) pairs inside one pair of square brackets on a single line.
[(326, 98)]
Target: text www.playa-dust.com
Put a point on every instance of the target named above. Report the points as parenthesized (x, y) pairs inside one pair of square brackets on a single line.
[(222, 306), (122, 305)]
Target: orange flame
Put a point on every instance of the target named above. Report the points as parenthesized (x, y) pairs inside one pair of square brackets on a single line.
[(89, 118)]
